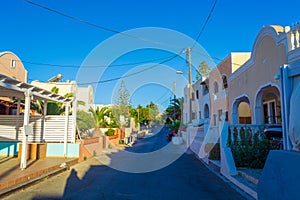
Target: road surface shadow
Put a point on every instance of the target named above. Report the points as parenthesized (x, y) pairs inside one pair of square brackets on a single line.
[(185, 178)]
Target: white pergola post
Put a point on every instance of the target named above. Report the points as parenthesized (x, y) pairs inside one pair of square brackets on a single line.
[(74, 116), (26, 122), (44, 119), (66, 128)]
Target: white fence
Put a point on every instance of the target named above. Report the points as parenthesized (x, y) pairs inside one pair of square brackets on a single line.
[(53, 130)]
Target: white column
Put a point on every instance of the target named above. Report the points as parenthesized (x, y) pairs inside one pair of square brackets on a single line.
[(285, 105), (26, 122), (44, 119), (74, 116), (66, 128)]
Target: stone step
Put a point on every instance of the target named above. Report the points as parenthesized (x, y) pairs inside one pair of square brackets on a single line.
[(250, 178), (215, 165)]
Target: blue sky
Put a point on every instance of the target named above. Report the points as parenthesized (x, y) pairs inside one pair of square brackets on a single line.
[(37, 35)]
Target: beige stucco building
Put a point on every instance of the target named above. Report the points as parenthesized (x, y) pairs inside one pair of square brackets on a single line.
[(253, 85), (12, 66), (218, 82), (86, 96)]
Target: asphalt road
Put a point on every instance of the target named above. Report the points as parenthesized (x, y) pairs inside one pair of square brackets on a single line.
[(186, 178)]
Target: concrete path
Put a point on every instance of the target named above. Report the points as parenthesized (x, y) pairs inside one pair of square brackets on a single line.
[(186, 178)]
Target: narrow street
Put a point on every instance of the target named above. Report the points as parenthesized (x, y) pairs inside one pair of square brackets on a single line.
[(186, 178)]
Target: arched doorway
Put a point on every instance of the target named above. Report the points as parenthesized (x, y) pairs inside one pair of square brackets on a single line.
[(241, 111), (244, 113), (267, 105)]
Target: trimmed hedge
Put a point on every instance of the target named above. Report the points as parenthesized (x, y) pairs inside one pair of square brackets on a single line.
[(110, 132)]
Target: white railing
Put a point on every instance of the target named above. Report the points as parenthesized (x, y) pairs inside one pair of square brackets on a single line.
[(293, 38), (11, 127), (250, 131)]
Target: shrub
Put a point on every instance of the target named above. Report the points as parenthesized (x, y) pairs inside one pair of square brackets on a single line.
[(110, 132), (121, 142), (248, 153), (175, 125)]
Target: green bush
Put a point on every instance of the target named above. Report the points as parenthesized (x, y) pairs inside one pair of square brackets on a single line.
[(85, 120), (110, 132), (252, 156), (121, 142)]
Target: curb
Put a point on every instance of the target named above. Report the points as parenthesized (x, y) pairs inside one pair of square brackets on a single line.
[(231, 183), (25, 184), (32, 178)]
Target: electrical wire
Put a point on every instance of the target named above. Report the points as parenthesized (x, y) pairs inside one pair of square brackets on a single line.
[(92, 66), (121, 77), (205, 23), (101, 27), (167, 92)]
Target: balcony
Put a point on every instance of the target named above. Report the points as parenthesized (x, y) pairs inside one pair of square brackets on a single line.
[(293, 38)]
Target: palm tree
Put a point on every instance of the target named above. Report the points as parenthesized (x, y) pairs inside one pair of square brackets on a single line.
[(99, 116), (174, 109)]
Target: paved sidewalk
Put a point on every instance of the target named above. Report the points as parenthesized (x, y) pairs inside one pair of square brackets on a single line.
[(11, 175)]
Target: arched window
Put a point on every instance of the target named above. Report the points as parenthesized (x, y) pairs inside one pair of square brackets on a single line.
[(225, 85), (215, 88)]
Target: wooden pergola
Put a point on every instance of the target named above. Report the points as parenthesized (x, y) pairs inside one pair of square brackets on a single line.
[(12, 88)]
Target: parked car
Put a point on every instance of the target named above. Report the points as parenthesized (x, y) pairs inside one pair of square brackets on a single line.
[(274, 133)]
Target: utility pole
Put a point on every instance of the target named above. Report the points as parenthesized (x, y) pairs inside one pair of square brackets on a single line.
[(188, 51), (174, 100), (174, 90)]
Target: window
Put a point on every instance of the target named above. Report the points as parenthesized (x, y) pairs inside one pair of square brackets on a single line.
[(193, 115), (13, 64), (226, 116), (269, 111), (225, 85), (215, 88), (215, 120), (205, 89), (220, 114), (197, 94)]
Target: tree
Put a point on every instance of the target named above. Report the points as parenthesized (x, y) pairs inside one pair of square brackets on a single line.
[(123, 105), (174, 109), (203, 70), (100, 116), (85, 120), (153, 111)]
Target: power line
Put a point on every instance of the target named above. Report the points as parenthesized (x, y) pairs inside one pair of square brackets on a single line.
[(168, 91), (91, 66), (100, 27), (121, 77), (205, 23)]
